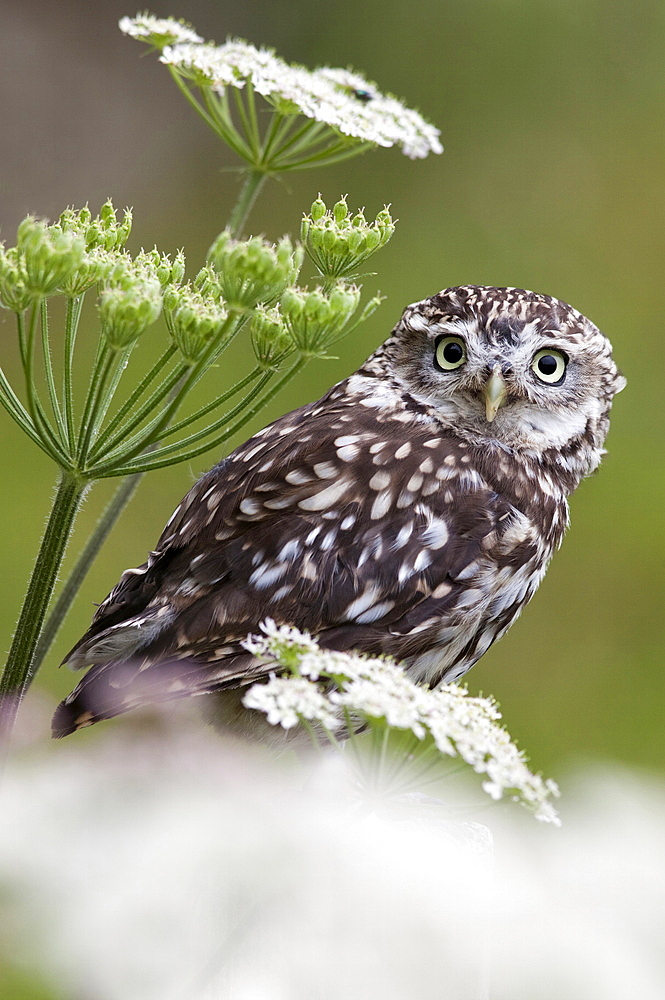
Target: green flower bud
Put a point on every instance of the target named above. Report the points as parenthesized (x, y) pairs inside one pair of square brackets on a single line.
[(338, 244), (128, 304), (178, 268), (161, 266), (206, 282), (329, 240), (253, 271), (270, 338), (355, 241), (341, 212), (316, 320), (103, 232), (93, 269), (14, 291), (50, 255), (192, 320), (292, 303), (318, 209)]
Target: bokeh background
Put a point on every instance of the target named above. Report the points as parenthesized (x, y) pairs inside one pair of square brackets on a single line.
[(552, 179)]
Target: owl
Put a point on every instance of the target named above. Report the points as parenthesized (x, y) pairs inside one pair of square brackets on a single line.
[(411, 511)]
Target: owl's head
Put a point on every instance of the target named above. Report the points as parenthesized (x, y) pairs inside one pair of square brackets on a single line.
[(524, 369)]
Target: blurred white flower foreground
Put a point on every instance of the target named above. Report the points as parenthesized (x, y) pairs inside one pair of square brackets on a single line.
[(176, 867)]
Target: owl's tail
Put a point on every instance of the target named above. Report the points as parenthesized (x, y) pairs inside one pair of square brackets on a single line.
[(110, 689)]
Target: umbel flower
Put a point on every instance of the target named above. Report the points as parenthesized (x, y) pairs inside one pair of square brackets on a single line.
[(305, 118), (339, 98), (343, 694)]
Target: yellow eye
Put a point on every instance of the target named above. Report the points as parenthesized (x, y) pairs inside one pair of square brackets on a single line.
[(549, 365), (449, 353)]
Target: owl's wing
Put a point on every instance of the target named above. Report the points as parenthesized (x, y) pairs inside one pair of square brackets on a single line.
[(362, 530)]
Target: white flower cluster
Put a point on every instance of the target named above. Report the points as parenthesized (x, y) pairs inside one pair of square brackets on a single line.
[(158, 30), (373, 688), (336, 97)]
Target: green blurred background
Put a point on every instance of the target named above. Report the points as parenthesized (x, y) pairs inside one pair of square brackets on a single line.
[(552, 179)]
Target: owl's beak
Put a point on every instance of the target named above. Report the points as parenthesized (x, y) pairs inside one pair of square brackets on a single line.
[(495, 392)]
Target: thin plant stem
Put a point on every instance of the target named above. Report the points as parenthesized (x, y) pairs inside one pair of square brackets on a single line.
[(17, 411), (254, 181), (212, 405), (51, 443), (58, 613), (222, 124), (134, 397), (18, 671), (74, 307), (106, 444), (48, 371), (100, 375), (161, 461), (173, 449)]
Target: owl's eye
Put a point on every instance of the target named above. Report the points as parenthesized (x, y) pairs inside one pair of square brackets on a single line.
[(449, 353), (549, 365)]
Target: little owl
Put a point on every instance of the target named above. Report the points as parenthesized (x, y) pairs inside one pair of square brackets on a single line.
[(411, 511)]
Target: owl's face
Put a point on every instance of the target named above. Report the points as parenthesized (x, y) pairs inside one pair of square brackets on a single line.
[(524, 369)]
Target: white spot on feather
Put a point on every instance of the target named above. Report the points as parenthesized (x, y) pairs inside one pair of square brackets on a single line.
[(436, 534), (362, 603), (379, 481), (298, 477), (348, 452), (249, 506), (325, 470), (326, 498), (381, 505)]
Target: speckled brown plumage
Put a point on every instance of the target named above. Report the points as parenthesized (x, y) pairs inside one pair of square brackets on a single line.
[(412, 510)]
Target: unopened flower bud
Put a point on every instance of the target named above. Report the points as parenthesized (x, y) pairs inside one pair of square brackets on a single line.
[(14, 291), (127, 308), (340, 212), (253, 271), (316, 320), (339, 243), (192, 319), (49, 255), (270, 338)]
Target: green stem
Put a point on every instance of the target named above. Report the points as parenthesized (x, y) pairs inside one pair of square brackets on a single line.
[(164, 456), (74, 307), (17, 411), (212, 405), (50, 441), (172, 383), (131, 401), (101, 372), (254, 181), (60, 609), (50, 378), (18, 671)]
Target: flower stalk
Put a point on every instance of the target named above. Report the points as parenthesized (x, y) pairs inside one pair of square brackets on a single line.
[(18, 670)]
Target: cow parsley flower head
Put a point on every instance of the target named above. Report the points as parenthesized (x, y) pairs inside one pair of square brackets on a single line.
[(376, 695), (356, 111), (159, 31)]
